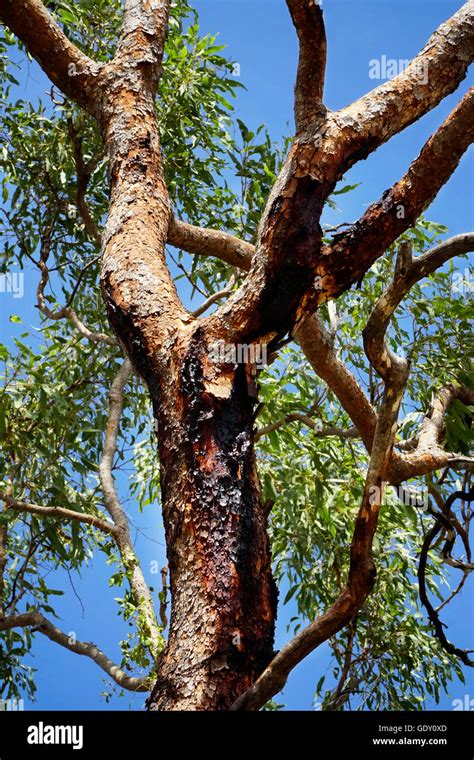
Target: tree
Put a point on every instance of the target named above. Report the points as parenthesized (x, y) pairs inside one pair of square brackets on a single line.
[(138, 144)]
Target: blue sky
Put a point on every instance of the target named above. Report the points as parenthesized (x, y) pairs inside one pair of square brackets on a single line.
[(261, 40)]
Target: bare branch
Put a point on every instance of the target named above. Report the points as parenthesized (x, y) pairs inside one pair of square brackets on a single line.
[(382, 358), (340, 693), (399, 207), (84, 172), (408, 271), (60, 512), (111, 499), (67, 67), (320, 432), (432, 613), (318, 347), (429, 455), (208, 242), (394, 105), (215, 297), (122, 535), (307, 18), (44, 626), (65, 312)]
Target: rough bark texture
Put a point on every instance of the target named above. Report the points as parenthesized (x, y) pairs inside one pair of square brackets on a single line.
[(219, 652), (224, 599)]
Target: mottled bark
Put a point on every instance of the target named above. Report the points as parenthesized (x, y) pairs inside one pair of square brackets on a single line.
[(309, 87), (223, 595), (223, 599)]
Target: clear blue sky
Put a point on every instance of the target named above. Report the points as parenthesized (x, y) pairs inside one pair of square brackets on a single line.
[(260, 38)]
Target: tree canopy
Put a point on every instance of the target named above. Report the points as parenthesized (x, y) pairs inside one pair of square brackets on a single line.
[(75, 412)]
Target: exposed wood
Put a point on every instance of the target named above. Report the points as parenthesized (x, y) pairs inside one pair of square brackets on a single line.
[(223, 595)]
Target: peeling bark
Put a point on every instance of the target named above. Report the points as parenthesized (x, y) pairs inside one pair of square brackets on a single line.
[(223, 596)]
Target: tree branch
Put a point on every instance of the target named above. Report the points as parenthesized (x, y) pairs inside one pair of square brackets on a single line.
[(84, 172), (61, 512), (215, 297), (431, 76), (429, 455), (138, 584), (281, 287), (317, 345), (66, 312), (320, 432), (67, 67), (307, 18), (340, 694), (382, 358), (399, 207), (208, 242), (432, 613), (86, 649), (143, 33)]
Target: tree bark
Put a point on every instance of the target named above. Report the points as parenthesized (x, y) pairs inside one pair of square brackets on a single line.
[(222, 590), (223, 594)]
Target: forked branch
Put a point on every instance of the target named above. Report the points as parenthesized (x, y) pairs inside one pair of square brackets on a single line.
[(38, 622)]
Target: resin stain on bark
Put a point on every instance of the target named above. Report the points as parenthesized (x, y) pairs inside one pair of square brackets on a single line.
[(217, 519)]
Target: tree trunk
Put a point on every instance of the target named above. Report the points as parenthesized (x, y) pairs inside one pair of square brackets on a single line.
[(223, 594), (223, 599)]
